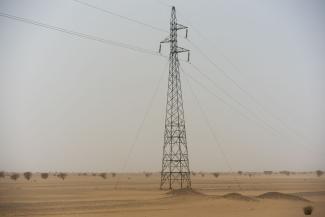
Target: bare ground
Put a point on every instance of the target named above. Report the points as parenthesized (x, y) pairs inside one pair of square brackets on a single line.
[(137, 195)]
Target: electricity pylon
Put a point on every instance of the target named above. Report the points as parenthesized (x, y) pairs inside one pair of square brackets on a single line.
[(175, 171)]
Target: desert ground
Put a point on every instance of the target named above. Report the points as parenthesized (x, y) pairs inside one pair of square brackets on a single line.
[(136, 194)]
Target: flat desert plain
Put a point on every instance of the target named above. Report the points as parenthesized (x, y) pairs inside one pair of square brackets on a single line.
[(138, 195)]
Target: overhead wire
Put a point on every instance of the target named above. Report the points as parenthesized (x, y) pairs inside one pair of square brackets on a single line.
[(81, 35), (209, 125), (235, 100), (140, 127), (120, 16), (252, 98), (226, 75)]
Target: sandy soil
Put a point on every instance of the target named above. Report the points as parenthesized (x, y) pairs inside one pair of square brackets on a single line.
[(137, 195)]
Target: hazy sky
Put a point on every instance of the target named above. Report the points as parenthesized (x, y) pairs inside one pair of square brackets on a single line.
[(73, 104)]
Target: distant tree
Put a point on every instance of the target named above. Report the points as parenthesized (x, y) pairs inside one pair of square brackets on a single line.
[(193, 173), (103, 175), (2, 174), (94, 174), (216, 175), (44, 175), (319, 173), (268, 172), (202, 174), (147, 174), (62, 175), (240, 172), (285, 172), (28, 175), (308, 210), (14, 176), (113, 175), (249, 175)]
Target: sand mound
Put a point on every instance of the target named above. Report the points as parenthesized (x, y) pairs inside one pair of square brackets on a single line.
[(278, 195), (237, 196), (184, 192)]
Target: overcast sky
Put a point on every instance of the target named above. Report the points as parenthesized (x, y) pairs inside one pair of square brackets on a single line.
[(74, 104)]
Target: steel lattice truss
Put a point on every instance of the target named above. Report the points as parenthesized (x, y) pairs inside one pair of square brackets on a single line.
[(175, 171)]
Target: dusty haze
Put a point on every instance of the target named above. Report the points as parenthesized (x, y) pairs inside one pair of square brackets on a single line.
[(75, 105)]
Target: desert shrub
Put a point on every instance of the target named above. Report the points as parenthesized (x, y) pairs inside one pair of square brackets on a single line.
[(28, 175), (62, 175), (113, 174), (268, 172), (85, 174), (240, 172), (14, 176), (319, 173), (216, 175), (249, 175), (285, 172), (193, 173), (103, 175), (147, 174), (202, 174), (94, 174), (2, 174), (44, 175), (308, 210)]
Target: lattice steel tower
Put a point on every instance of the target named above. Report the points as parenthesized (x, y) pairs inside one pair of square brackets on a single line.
[(175, 171)]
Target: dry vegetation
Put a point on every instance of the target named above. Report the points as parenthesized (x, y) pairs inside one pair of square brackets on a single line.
[(319, 173), (147, 174), (28, 175), (62, 175), (216, 175), (44, 175), (2, 174), (308, 210), (113, 175), (103, 175), (285, 172), (14, 176)]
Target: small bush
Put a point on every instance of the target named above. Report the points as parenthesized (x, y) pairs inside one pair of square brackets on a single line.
[(28, 175), (103, 175), (14, 176), (202, 174), (308, 210), (240, 172), (2, 174), (62, 175), (147, 174), (285, 172), (113, 174), (44, 175), (268, 172), (94, 174), (193, 173), (319, 173), (216, 175)]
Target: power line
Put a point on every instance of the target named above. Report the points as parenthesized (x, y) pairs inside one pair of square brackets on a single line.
[(243, 90), (252, 99), (81, 35), (139, 129), (222, 100), (120, 16), (235, 100), (209, 125)]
